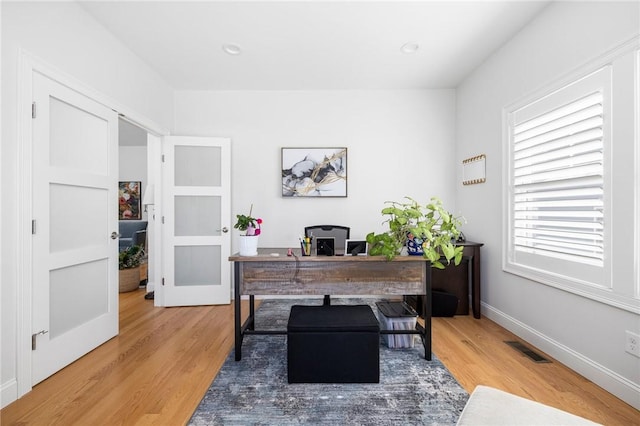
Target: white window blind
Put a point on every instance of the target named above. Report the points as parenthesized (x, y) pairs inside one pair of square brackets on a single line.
[(558, 184)]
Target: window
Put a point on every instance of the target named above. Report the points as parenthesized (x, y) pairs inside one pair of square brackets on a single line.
[(558, 182), (557, 151)]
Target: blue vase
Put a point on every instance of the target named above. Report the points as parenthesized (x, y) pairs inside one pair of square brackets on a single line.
[(414, 245)]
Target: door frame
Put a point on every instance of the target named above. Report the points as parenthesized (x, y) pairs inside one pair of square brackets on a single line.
[(154, 215), (28, 65)]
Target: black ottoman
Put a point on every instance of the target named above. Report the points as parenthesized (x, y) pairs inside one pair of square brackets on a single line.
[(333, 344)]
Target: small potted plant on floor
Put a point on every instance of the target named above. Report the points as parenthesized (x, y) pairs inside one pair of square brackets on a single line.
[(250, 226), (426, 230), (129, 262)]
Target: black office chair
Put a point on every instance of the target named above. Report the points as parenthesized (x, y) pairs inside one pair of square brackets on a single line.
[(338, 232)]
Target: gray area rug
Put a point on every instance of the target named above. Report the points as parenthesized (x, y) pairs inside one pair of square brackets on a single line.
[(255, 391)]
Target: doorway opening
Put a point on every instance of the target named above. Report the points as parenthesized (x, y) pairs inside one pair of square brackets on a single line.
[(136, 190)]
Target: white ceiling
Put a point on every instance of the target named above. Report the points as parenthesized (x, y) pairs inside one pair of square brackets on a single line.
[(309, 45)]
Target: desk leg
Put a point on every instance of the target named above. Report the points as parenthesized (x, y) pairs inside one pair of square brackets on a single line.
[(236, 311), (426, 309), (252, 312)]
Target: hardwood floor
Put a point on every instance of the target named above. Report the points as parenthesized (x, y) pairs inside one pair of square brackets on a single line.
[(159, 367), (475, 353)]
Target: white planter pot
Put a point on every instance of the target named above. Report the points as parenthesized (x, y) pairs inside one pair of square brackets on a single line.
[(248, 245)]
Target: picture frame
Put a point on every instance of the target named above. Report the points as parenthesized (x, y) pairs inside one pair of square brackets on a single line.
[(129, 200), (325, 246), (356, 248), (314, 172)]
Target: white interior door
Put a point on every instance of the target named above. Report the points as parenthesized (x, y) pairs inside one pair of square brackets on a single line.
[(195, 211), (75, 284)]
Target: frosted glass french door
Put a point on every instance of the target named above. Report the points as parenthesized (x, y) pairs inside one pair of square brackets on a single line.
[(74, 232), (195, 212)]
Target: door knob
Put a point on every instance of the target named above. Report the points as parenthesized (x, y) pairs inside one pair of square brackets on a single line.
[(224, 230), (115, 235)]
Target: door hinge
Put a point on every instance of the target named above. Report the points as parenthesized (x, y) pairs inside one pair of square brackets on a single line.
[(162, 280), (34, 336), (33, 227), (163, 220), (33, 109), (163, 158)]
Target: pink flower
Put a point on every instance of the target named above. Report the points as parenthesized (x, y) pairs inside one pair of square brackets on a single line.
[(248, 224)]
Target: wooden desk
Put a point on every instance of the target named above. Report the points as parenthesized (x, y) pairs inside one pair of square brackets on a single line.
[(333, 275)]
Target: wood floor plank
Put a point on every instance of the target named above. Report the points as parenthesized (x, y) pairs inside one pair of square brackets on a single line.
[(160, 365)]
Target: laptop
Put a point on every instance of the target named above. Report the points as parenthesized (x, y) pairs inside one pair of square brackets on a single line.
[(356, 248)]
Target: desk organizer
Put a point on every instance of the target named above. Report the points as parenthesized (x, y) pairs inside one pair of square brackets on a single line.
[(333, 344)]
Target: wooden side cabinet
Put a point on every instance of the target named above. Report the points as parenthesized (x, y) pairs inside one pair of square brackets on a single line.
[(458, 280)]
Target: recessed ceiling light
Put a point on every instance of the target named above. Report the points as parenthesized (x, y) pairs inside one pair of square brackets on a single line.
[(410, 47), (232, 49)]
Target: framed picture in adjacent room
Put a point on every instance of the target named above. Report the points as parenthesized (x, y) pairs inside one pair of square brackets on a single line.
[(129, 202), (314, 172)]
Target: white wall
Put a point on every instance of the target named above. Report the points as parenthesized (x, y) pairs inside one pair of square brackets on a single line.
[(400, 143), (584, 334), (64, 37)]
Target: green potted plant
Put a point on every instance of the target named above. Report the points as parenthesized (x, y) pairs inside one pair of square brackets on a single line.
[(251, 228), (429, 230), (129, 261)]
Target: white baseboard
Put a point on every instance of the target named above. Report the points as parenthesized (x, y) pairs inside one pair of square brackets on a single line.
[(611, 381), (9, 392)]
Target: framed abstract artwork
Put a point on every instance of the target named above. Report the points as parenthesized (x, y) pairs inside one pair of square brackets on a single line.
[(314, 172), (129, 201)]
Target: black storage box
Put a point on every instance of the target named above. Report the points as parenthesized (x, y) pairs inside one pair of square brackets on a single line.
[(444, 304), (333, 344)]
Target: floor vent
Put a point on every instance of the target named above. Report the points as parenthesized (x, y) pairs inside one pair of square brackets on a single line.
[(536, 357)]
